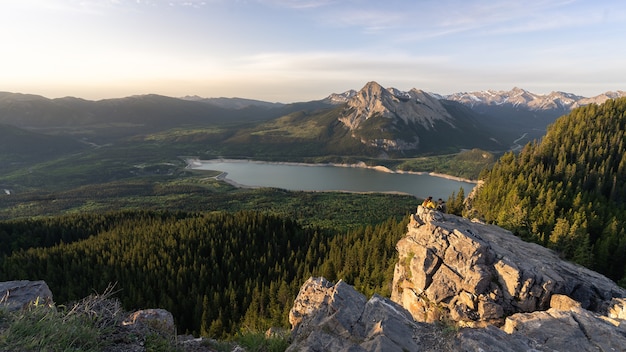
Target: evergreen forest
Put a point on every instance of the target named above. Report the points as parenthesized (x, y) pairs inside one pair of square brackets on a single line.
[(218, 272), (568, 191)]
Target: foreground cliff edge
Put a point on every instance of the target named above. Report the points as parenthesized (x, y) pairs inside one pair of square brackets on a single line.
[(465, 286)]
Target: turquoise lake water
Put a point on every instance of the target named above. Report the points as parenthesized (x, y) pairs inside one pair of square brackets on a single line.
[(313, 177)]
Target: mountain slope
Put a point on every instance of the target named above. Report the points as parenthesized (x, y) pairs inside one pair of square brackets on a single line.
[(18, 146), (233, 103), (567, 191), (375, 122), (412, 122), (113, 118), (524, 112)]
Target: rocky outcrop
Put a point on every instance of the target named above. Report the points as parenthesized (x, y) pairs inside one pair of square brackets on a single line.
[(461, 285), (478, 274), (16, 294), (567, 324), (335, 317)]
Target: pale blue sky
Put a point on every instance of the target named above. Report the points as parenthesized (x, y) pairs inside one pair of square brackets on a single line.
[(299, 50)]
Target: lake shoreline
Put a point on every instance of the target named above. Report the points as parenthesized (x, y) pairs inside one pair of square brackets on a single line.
[(194, 163)]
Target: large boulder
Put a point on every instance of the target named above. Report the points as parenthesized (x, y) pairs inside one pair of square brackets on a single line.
[(159, 320), (335, 317), (15, 295), (567, 324), (478, 274)]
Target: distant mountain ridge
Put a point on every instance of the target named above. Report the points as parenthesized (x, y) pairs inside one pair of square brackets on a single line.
[(517, 115), (138, 114), (518, 97), (371, 121), (233, 103)]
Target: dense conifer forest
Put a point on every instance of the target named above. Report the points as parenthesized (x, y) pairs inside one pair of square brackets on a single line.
[(568, 191), (217, 272)]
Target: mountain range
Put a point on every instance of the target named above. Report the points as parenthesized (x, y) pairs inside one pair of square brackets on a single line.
[(521, 98), (374, 120)]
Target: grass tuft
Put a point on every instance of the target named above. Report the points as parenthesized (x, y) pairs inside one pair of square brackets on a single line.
[(259, 342), (91, 324), (46, 328)]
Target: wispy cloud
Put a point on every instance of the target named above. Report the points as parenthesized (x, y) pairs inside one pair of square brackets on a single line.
[(425, 20), (370, 20), (335, 63), (298, 4)]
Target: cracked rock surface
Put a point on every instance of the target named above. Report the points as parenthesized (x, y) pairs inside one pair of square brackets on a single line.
[(478, 274), (465, 286)]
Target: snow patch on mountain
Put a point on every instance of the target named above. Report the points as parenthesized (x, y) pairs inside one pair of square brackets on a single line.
[(340, 98)]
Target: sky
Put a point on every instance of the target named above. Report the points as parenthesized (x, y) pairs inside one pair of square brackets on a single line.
[(301, 50)]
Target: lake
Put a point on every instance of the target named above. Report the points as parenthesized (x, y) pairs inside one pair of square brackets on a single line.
[(322, 177)]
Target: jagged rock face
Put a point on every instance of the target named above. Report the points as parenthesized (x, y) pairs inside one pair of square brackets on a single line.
[(375, 101), (17, 294), (386, 118), (477, 274)]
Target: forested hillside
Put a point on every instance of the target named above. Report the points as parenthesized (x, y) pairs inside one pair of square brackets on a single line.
[(216, 272), (568, 192)]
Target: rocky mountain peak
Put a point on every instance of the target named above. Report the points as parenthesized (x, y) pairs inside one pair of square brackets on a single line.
[(373, 100), (521, 98), (599, 99), (372, 87), (517, 91), (340, 98)]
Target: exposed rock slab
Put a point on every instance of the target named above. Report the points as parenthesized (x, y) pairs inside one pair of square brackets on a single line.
[(567, 324), (335, 317), (17, 294), (477, 274)]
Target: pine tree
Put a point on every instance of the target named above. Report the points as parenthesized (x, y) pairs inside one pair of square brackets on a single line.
[(564, 191)]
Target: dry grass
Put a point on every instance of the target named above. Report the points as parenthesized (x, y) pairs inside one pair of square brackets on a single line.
[(91, 324)]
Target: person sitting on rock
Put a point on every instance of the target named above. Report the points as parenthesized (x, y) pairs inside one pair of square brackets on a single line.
[(441, 205), (428, 203)]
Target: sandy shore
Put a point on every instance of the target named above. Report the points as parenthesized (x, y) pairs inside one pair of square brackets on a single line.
[(222, 177), (195, 163)]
